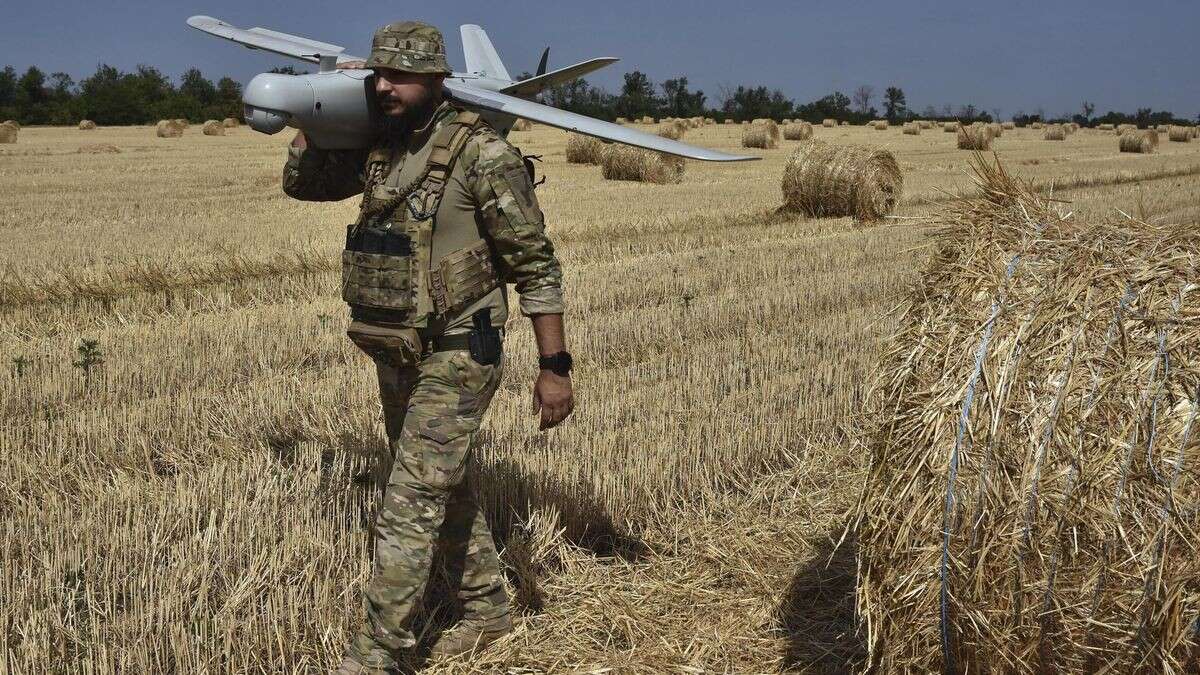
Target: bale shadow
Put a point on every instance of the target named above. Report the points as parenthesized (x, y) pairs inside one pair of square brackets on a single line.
[(816, 613)]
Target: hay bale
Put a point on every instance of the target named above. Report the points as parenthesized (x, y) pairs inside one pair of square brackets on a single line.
[(709, 121), (823, 180), (1054, 132), (911, 129), (674, 129), (584, 149), (975, 137), (213, 128), (182, 122), (880, 125), (622, 120), (950, 127), (728, 121), (798, 131), (1007, 126), (829, 123), (648, 120), (169, 129), (99, 149), (844, 123), (996, 129), (8, 133), (758, 136), (230, 123), (1143, 142), (1046, 525), (1180, 134), (12, 123), (624, 162), (521, 124), (1106, 127), (770, 125), (1037, 125), (925, 124), (86, 125)]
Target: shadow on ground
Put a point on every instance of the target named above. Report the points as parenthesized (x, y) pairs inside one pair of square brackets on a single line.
[(816, 612)]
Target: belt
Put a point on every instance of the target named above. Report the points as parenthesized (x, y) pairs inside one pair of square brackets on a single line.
[(449, 343)]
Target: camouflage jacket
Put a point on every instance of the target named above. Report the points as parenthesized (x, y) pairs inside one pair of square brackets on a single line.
[(489, 178)]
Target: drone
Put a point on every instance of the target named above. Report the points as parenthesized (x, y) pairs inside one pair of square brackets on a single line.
[(335, 107)]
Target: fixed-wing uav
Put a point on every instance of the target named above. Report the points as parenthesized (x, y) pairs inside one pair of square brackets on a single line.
[(336, 107)]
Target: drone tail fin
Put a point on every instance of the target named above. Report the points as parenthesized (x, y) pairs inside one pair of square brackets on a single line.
[(481, 56)]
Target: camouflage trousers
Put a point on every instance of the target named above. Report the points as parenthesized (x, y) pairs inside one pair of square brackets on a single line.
[(432, 411)]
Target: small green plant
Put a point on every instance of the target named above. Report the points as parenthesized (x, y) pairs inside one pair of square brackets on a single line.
[(19, 363), (90, 356)]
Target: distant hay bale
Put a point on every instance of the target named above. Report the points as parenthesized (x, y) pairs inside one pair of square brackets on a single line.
[(844, 123), (1054, 132), (522, 124), (823, 180), (880, 125), (8, 133), (1122, 128), (911, 129), (798, 131), (728, 121), (623, 162), (758, 136), (1180, 134), (86, 125), (1143, 142), (230, 123), (98, 149), (950, 127), (1037, 125), (1070, 128), (620, 120), (674, 129), (168, 129), (997, 129), (13, 123), (708, 121), (1105, 127), (213, 128), (925, 124), (182, 122), (828, 123), (1007, 126), (584, 149), (648, 120), (1030, 501), (771, 126), (975, 137)]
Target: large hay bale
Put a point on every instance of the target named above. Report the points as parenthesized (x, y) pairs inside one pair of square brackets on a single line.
[(880, 125), (975, 137), (1180, 134), (674, 129), (911, 129), (771, 126), (1007, 126), (584, 149), (86, 125), (230, 123), (213, 128), (1138, 141), (12, 123), (181, 121), (168, 129), (623, 162), (8, 133), (828, 123), (926, 124), (758, 136), (823, 180), (98, 149), (1054, 132), (1122, 128), (950, 127), (798, 131), (1031, 499)]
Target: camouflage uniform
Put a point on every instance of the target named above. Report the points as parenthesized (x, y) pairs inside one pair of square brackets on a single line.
[(433, 400)]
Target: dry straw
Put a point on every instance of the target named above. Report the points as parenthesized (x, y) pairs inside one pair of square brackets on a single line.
[(674, 129), (975, 137), (926, 124), (798, 131), (213, 128), (770, 125), (1106, 127), (623, 162), (1122, 128), (997, 129), (880, 125), (182, 122), (823, 180), (522, 124), (12, 123), (1031, 499), (620, 120), (98, 149), (758, 136), (648, 120), (86, 125), (168, 129), (911, 129), (230, 123), (1180, 134), (1007, 126), (584, 149), (1143, 142), (1054, 132), (950, 127), (8, 133), (1036, 125), (828, 122)]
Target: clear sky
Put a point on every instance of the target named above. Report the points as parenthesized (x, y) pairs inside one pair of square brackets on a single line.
[(1009, 54)]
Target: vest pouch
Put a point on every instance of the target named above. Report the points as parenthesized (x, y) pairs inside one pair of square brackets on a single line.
[(377, 280)]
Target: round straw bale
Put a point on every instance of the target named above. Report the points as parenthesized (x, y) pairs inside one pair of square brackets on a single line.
[(728, 121), (622, 120), (674, 129), (798, 131), (828, 122), (880, 125), (997, 129), (823, 180), (1037, 125), (771, 126), (98, 149), (1138, 141), (1054, 132), (975, 137), (708, 121), (624, 162), (950, 127), (1180, 134), (1105, 127), (926, 124), (230, 123), (86, 125), (168, 129), (844, 123), (213, 128), (912, 129), (182, 121), (758, 136), (1007, 126), (8, 133), (13, 123), (584, 149), (648, 120)]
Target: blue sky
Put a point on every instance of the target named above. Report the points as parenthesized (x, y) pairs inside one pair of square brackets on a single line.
[(1012, 55)]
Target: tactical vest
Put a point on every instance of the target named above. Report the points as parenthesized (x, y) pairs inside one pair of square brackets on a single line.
[(387, 266)]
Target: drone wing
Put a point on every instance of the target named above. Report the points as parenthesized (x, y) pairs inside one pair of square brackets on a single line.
[(518, 107), (271, 41)]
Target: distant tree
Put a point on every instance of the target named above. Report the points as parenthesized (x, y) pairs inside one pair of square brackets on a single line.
[(834, 106), (929, 112), (895, 104), (229, 97), (637, 97), (680, 101), (1087, 107), (747, 103), (578, 96), (862, 97), (996, 113), (287, 70), (947, 111)]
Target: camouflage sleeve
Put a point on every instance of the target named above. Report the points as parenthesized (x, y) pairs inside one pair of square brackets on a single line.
[(495, 174), (316, 175)]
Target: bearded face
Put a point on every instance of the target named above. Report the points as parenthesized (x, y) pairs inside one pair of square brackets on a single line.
[(406, 99)]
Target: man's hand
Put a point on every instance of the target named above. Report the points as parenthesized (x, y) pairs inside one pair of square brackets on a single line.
[(352, 65), (553, 397)]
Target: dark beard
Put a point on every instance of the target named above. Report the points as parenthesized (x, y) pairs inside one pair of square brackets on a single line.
[(414, 117)]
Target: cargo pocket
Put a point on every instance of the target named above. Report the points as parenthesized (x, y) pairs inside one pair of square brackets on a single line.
[(400, 349), (477, 383), (445, 442)]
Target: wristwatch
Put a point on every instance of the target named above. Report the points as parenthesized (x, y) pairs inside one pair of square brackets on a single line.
[(559, 364)]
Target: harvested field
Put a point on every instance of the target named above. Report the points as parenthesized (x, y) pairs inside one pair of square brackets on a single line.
[(975, 137), (204, 481)]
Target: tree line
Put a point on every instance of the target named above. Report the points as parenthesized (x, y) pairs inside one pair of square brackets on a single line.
[(113, 97)]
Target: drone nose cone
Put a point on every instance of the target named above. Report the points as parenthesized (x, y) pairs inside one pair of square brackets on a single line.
[(272, 99), (263, 120)]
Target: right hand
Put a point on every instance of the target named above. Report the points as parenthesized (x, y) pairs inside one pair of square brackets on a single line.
[(352, 65)]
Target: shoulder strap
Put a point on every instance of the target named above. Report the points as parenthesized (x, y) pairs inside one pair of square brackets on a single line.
[(448, 142)]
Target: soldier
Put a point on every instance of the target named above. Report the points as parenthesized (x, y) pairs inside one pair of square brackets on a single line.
[(448, 216)]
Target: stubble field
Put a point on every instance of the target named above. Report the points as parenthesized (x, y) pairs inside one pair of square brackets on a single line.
[(191, 497)]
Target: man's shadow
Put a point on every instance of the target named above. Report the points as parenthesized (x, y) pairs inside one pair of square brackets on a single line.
[(816, 613)]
